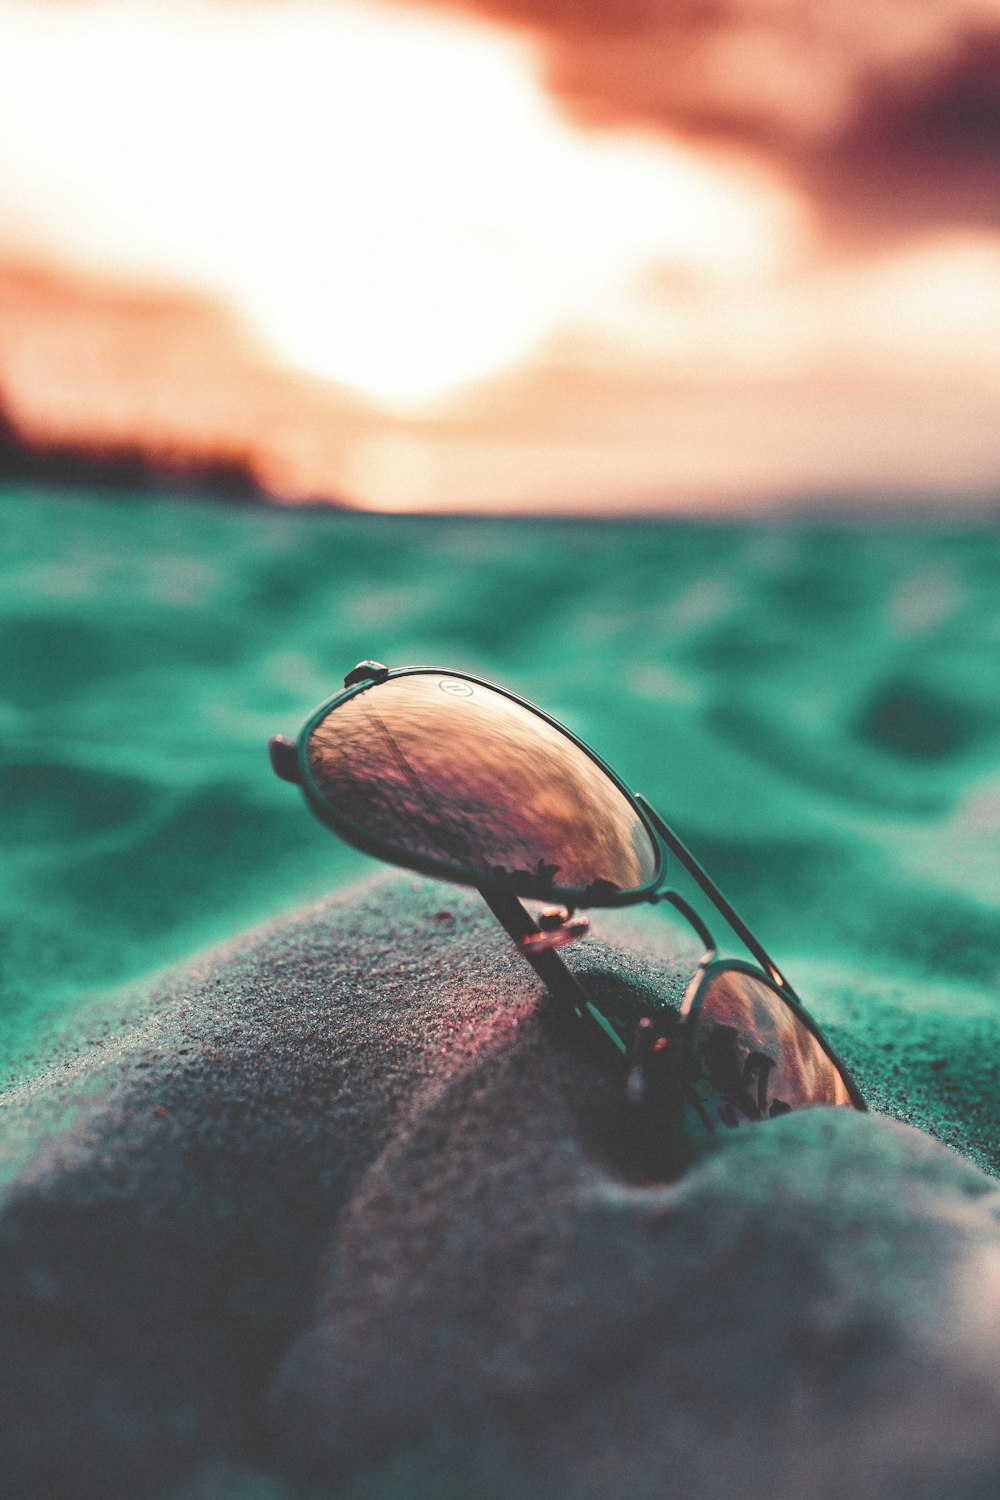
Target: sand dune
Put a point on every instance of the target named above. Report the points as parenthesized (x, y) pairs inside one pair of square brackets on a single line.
[(342, 1205)]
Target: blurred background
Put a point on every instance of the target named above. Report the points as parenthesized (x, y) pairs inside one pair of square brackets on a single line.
[(644, 357), (510, 254)]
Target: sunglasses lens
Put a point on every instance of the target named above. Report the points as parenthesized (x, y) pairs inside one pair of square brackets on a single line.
[(449, 770), (750, 1057)]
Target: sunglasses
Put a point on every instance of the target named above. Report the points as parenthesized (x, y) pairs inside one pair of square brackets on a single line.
[(456, 778)]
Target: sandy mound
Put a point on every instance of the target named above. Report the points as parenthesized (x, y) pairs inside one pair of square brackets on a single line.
[(340, 1207)]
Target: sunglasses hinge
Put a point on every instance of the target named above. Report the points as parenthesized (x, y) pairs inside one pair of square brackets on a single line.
[(366, 671)]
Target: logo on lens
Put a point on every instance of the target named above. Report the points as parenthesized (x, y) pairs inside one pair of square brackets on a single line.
[(455, 689)]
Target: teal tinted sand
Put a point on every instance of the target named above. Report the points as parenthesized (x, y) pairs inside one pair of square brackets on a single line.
[(813, 705), (369, 1094), (338, 1211)]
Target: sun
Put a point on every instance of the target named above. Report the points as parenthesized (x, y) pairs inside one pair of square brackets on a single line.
[(388, 195)]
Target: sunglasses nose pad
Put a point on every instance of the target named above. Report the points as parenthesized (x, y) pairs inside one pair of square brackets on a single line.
[(557, 928), (647, 1057)]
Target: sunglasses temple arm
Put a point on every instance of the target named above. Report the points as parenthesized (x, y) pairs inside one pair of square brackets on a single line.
[(712, 891), (547, 964)]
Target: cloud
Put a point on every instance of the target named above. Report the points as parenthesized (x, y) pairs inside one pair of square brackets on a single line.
[(924, 151), (886, 113)]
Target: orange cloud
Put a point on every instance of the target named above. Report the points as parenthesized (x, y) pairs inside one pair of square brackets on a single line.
[(88, 363), (887, 114), (499, 309)]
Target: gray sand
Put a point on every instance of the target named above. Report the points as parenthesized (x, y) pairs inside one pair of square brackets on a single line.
[(341, 1208)]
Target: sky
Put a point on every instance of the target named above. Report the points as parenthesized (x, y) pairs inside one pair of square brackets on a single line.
[(607, 255)]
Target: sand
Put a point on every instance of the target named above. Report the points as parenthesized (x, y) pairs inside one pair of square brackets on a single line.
[(811, 703), (340, 1209), (310, 1214)]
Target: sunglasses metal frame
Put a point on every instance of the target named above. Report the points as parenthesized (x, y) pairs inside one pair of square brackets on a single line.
[(651, 1073), (708, 970), (531, 888)]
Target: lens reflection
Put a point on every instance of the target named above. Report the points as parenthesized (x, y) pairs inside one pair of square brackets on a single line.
[(751, 1058), (453, 771)]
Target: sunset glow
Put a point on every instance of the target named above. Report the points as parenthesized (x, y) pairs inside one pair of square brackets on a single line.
[(389, 198), (409, 275)]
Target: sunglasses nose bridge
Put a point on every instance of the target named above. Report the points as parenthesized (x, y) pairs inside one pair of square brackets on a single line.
[(690, 916)]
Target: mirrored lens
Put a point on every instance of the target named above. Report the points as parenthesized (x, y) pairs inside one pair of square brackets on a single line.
[(450, 770), (751, 1058)]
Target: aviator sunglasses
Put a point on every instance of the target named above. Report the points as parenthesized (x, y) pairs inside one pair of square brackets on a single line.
[(456, 778)]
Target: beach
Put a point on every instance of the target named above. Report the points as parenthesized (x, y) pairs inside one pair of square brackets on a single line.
[(243, 1147)]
